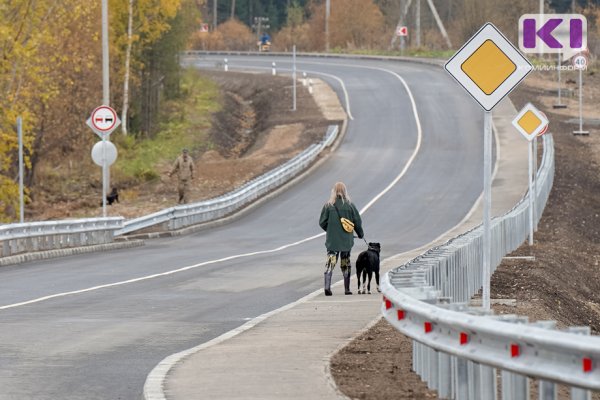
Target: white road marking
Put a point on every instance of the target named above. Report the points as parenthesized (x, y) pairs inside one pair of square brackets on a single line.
[(245, 255), (148, 277), (154, 385)]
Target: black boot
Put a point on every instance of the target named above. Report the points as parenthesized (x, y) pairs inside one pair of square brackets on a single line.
[(327, 284), (347, 284)]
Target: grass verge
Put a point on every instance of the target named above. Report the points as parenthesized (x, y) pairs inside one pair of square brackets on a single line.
[(185, 122)]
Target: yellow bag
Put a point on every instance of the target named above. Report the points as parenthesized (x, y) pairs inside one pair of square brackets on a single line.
[(347, 225)]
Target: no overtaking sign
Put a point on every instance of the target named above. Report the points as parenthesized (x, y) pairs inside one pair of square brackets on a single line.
[(103, 121)]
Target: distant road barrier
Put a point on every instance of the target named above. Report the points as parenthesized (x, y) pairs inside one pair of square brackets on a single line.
[(50, 235), (458, 350), (186, 215)]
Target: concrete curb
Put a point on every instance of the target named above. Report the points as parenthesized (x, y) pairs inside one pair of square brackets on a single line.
[(45, 255)]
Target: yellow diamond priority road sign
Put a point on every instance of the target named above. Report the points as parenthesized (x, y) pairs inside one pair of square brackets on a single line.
[(530, 121), (488, 66)]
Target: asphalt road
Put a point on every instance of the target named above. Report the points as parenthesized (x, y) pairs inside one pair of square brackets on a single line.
[(63, 337)]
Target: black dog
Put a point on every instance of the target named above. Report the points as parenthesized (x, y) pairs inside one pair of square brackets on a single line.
[(367, 263), (112, 197)]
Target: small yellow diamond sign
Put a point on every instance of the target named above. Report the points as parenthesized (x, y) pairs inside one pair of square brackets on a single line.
[(530, 122), (488, 66)]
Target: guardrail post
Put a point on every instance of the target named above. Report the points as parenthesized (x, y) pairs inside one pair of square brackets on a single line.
[(462, 379), (488, 384), (514, 387), (433, 369), (473, 380), (507, 387), (547, 390), (444, 376), (578, 393)]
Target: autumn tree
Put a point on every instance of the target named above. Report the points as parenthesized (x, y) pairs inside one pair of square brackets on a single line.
[(230, 35), (34, 71), (138, 26), (352, 24)]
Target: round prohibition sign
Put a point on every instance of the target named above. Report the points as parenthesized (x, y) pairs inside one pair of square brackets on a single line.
[(104, 119)]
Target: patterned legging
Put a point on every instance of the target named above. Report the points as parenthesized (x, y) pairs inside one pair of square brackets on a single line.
[(332, 257)]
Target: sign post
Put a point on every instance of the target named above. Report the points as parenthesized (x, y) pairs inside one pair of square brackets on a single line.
[(103, 122), (558, 68), (580, 63), (294, 79), (531, 122), (21, 196), (488, 67)]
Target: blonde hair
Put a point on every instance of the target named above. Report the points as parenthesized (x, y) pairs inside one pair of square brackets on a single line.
[(339, 190)]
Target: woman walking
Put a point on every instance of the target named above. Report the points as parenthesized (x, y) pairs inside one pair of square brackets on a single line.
[(338, 240)]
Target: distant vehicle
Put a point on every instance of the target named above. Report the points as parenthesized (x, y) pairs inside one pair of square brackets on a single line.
[(264, 43)]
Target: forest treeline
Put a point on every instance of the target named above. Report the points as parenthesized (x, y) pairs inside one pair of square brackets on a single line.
[(51, 61), (51, 75)]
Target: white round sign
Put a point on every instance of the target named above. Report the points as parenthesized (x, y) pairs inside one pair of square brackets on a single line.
[(580, 61), (104, 119), (102, 151)]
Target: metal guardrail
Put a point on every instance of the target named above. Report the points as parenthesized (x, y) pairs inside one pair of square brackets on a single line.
[(186, 215), (458, 350), (49, 235)]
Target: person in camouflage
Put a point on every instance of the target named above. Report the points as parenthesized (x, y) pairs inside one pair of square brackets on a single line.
[(184, 167)]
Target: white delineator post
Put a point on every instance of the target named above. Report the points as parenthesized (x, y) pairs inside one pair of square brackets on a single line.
[(274, 71)]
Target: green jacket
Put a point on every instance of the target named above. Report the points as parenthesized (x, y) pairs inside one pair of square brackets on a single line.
[(337, 238)]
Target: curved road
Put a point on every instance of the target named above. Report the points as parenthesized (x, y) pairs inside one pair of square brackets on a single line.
[(93, 326)]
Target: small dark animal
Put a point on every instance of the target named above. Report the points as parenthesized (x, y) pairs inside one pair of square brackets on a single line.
[(367, 263), (112, 197)]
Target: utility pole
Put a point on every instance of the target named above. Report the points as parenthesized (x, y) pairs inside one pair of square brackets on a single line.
[(105, 64), (418, 21), (327, 14), (214, 14), (105, 99), (21, 197)]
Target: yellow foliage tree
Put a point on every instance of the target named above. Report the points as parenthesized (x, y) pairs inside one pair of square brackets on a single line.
[(26, 31), (138, 24)]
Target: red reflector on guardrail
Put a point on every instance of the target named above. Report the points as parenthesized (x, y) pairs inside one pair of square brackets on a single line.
[(388, 304), (515, 350), (587, 364), (401, 315), (428, 327), (464, 338)]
